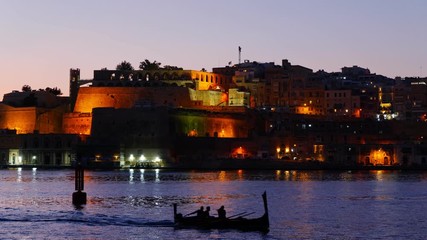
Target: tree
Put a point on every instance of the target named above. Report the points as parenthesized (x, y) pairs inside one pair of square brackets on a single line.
[(125, 66), (147, 65), (55, 91), (26, 88)]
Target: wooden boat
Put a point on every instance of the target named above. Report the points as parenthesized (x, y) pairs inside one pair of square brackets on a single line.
[(240, 223)]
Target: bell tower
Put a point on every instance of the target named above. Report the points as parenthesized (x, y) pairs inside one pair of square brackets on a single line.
[(74, 86)]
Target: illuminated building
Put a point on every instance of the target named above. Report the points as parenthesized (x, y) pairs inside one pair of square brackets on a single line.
[(27, 112), (342, 103), (46, 150)]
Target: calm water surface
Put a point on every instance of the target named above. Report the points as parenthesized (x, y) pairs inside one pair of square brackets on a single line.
[(36, 204)]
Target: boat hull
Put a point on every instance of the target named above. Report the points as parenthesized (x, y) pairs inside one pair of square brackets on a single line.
[(243, 224), (252, 224)]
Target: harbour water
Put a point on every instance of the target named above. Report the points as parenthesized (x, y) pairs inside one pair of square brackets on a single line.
[(137, 204)]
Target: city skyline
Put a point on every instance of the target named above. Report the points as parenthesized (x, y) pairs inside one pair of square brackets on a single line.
[(42, 40)]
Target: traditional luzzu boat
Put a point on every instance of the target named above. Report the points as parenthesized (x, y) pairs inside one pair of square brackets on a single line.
[(234, 222)]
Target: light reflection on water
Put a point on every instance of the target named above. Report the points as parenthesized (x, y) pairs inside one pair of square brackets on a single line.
[(303, 204)]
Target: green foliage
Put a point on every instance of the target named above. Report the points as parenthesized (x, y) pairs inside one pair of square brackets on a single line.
[(147, 65), (168, 67), (26, 88), (124, 66)]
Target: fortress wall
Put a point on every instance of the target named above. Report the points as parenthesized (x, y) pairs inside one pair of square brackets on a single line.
[(22, 119), (77, 123), (200, 125), (127, 97)]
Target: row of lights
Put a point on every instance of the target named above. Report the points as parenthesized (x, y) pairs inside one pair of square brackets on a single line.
[(142, 158)]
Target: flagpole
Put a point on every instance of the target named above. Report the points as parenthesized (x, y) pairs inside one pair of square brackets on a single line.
[(240, 51)]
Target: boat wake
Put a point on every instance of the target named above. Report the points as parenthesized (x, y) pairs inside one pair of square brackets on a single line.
[(88, 220)]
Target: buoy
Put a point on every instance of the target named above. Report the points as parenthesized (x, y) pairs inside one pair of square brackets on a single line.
[(79, 197)]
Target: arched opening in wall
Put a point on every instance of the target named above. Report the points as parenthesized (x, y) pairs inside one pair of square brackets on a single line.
[(113, 76), (211, 79), (147, 77), (216, 79), (386, 162), (140, 77), (122, 77), (156, 76), (130, 77)]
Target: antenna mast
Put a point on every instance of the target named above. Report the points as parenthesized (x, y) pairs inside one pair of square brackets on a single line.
[(240, 53)]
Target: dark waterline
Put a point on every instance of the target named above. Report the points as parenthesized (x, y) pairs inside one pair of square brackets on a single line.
[(136, 204)]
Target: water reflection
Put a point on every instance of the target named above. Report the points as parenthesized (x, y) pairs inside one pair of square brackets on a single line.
[(222, 176), (379, 175), (142, 175), (157, 175), (19, 178), (34, 174), (240, 174), (131, 176)]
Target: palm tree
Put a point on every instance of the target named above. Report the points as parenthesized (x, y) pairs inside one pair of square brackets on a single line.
[(147, 65), (124, 66)]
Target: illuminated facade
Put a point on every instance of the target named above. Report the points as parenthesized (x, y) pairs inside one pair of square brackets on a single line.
[(247, 111), (48, 150), (27, 112), (342, 103)]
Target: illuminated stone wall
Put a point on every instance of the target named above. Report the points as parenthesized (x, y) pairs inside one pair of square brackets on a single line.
[(238, 98), (127, 97), (22, 119), (77, 123), (30, 119), (204, 124), (209, 98)]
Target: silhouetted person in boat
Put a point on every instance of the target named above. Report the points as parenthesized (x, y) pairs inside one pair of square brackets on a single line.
[(206, 213), (221, 212), (198, 212)]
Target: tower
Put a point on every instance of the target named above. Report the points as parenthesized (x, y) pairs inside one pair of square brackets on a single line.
[(74, 86)]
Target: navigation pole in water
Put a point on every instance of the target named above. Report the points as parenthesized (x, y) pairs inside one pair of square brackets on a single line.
[(79, 197)]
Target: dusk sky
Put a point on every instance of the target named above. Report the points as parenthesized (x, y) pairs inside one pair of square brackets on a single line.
[(41, 40)]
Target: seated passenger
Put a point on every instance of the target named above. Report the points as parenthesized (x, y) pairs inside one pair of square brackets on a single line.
[(221, 212)]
